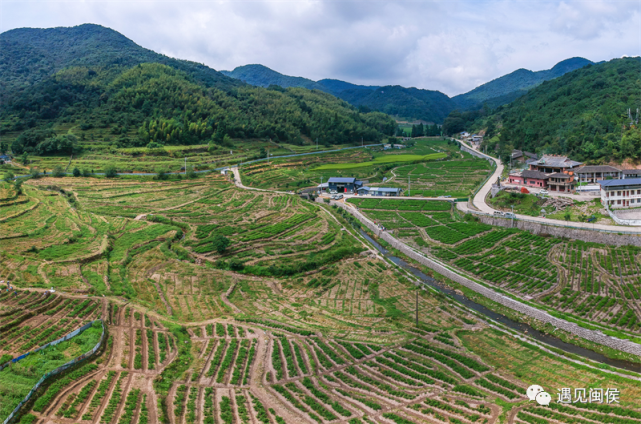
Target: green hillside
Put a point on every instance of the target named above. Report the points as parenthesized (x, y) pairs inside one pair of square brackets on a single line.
[(410, 103), (335, 86), (31, 55), (262, 76), (135, 104), (582, 114), (413, 103), (509, 87)]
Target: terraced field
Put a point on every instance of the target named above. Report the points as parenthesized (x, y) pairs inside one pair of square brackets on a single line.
[(591, 281), (456, 176), (295, 320)]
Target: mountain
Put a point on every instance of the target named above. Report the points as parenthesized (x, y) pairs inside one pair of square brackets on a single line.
[(335, 86), (582, 114), (509, 87), (92, 82), (30, 55), (411, 103), (262, 76)]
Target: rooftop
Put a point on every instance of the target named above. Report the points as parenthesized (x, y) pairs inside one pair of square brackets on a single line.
[(620, 183), (383, 189), (342, 180), (597, 168), (534, 174), (556, 161), (559, 175), (631, 171)]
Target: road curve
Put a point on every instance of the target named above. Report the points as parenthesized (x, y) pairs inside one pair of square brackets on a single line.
[(481, 205)]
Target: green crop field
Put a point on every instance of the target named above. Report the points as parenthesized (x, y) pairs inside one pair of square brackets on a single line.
[(291, 318), (383, 159), (437, 169)]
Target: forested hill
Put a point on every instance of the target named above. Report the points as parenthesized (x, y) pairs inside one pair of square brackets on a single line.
[(262, 76), (509, 87), (30, 55), (582, 114), (411, 103), (92, 77)]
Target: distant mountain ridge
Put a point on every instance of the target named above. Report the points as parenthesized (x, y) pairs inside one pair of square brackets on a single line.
[(414, 103), (509, 87), (31, 55), (62, 85)]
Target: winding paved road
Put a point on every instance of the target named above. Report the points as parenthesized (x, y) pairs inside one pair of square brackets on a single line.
[(481, 205)]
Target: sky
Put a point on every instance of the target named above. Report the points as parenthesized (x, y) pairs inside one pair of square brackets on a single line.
[(452, 45)]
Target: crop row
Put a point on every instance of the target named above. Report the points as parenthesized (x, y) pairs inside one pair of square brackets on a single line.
[(190, 417), (369, 403), (331, 353), (277, 325), (96, 401), (294, 401), (229, 356), (218, 355), (239, 367), (130, 407), (420, 367), (323, 397), (114, 401), (463, 372), (71, 410), (379, 384), (52, 392), (151, 350)]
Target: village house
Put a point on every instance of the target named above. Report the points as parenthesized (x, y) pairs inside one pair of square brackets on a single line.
[(594, 173), (623, 193), (530, 178), (379, 191), (631, 173), (522, 156), (344, 184)]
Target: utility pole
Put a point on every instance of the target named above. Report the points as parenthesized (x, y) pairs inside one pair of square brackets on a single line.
[(409, 190), (268, 154), (512, 216), (417, 306), (185, 165), (316, 143)]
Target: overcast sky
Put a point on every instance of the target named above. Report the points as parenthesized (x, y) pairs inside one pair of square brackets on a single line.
[(451, 46)]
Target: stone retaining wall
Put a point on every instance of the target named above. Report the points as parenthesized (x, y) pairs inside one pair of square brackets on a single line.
[(611, 239), (591, 335), (475, 153)]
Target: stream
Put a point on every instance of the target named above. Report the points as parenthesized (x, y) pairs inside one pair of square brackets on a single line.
[(494, 316)]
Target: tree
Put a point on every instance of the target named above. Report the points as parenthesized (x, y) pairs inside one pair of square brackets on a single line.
[(76, 172), (111, 171), (34, 173), (17, 186), (3, 148), (25, 158), (58, 172), (567, 215), (190, 172), (86, 172), (8, 177), (220, 243), (262, 153), (161, 174)]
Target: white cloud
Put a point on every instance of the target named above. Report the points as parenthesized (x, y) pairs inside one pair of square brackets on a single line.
[(451, 46)]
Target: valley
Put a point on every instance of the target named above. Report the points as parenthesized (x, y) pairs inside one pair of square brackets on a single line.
[(230, 305)]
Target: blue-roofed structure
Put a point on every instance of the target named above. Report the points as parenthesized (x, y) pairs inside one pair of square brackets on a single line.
[(344, 184), (625, 193), (379, 191)]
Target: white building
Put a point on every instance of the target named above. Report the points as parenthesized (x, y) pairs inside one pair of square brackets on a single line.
[(625, 193)]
